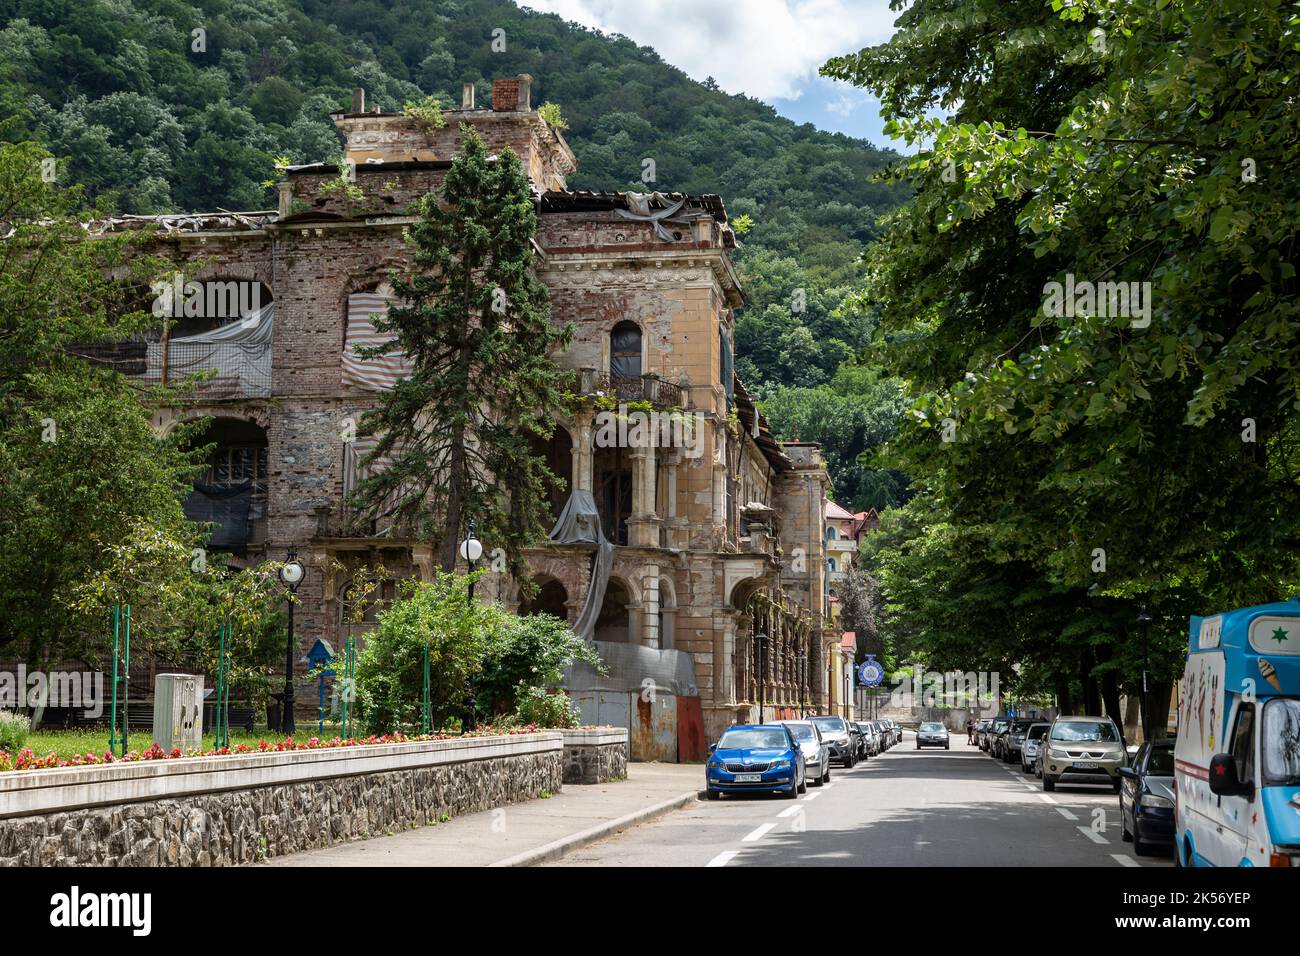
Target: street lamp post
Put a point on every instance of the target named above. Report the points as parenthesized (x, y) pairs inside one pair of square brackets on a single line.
[(1144, 619), (291, 575), (803, 683), (761, 638), (471, 549)]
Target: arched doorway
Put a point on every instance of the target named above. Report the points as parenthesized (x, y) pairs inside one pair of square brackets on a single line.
[(558, 454), (667, 613), (551, 598), (614, 624), (231, 492), (625, 352)]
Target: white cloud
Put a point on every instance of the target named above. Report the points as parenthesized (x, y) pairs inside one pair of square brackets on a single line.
[(769, 49)]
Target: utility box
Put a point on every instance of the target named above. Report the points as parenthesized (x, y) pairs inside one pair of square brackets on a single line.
[(178, 711)]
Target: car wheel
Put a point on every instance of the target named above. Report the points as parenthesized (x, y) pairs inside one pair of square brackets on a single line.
[(947, 747), (1049, 784), (1124, 834), (816, 781), (714, 794), (791, 792), (1139, 847), (1116, 786), (803, 784), (826, 777)]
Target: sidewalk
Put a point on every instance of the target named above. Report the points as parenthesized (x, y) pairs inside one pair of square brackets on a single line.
[(523, 833)]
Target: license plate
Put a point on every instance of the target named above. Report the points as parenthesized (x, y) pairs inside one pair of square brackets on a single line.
[(748, 777), (1085, 765)]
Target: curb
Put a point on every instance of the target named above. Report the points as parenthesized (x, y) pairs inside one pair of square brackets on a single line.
[(558, 848)]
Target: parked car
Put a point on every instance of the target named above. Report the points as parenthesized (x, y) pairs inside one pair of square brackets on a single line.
[(1013, 741), (932, 734), (816, 753), (886, 735), (869, 739), (898, 730), (981, 729), (995, 731), (1034, 735), (1146, 798), (1087, 749), (1237, 762), (750, 757), (835, 730)]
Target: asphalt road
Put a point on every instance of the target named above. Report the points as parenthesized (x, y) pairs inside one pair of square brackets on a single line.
[(904, 808)]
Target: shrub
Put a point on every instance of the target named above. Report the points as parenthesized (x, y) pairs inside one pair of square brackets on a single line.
[(543, 708), (528, 652), (14, 728)]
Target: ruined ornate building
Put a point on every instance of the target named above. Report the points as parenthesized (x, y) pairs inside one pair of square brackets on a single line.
[(715, 564)]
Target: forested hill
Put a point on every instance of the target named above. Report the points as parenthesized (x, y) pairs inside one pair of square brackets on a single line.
[(140, 109)]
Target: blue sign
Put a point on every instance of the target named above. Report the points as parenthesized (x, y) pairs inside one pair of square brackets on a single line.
[(870, 673)]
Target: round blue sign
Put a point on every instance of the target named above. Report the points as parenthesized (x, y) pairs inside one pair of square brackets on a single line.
[(870, 673)]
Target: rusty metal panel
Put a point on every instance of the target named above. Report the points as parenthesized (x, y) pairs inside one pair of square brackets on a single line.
[(653, 729), (604, 708), (691, 743)]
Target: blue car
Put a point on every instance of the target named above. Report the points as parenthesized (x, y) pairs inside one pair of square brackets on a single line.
[(1146, 798), (755, 757)]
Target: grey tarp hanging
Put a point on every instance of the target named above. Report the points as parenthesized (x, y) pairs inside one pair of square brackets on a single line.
[(641, 209), (579, 523), (239, 350)]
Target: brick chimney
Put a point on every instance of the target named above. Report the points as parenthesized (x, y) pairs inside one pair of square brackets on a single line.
[(358, 100), (513, 96), (505, 95)]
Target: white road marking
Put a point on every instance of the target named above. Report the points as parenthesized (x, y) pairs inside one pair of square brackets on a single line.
[(757, 834), (1045, 798), (1092, 835), (1123, 859), (790, 811), (723, 858), (812, 796), (1066, 813)]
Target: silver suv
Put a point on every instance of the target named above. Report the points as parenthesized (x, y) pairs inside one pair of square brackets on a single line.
[(1084, 749)]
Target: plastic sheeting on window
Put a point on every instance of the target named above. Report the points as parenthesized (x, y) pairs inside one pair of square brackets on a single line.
[(229, 507)]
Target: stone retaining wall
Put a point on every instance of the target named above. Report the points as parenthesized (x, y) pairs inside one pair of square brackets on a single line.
[(595, 755), (226, 811)]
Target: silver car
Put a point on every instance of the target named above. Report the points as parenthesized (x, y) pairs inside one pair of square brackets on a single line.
[(870, 739), (816, 754), (1034, 736), (839, 737)]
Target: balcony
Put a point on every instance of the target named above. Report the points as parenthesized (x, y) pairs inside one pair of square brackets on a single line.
[(229, 370), (642, 388)]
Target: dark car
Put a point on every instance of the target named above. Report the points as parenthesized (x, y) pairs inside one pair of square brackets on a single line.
[(750, 757), (1013, 741), (835, 731), (866, 739), (932, 734), (1146, 798), (981, 732), (994, 732)]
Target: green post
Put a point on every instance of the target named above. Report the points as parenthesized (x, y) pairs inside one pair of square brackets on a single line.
[(126, 678), (112, 718), (425, 709), (221, 714)]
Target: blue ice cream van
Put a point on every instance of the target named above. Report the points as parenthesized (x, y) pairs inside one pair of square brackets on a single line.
[(1237, 757)]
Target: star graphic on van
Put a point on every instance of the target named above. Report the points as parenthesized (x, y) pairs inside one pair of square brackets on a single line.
[(1280, 635)]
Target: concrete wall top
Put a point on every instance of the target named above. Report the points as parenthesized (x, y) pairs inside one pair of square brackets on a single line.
[(23, 793)]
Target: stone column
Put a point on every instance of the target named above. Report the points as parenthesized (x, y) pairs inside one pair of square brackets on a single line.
[(583, 450), (643, 524), (649, 636)]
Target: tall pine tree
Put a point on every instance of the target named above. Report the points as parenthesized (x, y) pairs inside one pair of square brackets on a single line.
[(476, 323)]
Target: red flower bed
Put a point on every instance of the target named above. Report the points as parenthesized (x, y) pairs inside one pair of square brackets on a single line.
[(27, 760)]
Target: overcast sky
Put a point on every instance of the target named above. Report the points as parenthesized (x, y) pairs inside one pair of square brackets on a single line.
[(769, 49)]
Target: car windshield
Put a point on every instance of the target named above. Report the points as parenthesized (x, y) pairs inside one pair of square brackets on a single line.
[(1038, 732), (802, 731), (753, 738), (1161, 762), (999, 726), (832, 725), (1281, 742), (1080, 731), (932, 728)]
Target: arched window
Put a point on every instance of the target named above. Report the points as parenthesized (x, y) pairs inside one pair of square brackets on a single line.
[(625, 351), (833, 565), (831, 534)]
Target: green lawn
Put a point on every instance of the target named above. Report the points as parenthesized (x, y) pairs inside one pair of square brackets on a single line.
[(66, 743)]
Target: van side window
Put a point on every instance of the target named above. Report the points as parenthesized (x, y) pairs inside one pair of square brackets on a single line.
[(1243, 742)]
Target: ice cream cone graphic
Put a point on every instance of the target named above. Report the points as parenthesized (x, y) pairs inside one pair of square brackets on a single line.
[(1270, 674)]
